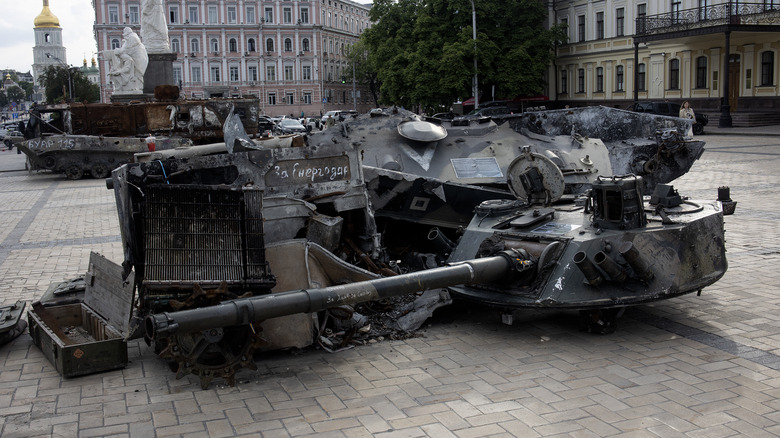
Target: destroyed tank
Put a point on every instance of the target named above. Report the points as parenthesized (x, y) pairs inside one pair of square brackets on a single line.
[(262, 247), (78, 139)]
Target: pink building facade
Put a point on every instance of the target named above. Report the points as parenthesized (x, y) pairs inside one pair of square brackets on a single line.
[(289, 54)]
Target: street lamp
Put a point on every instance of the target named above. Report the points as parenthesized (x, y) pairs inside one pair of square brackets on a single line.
[(474, 29), (70, 76)]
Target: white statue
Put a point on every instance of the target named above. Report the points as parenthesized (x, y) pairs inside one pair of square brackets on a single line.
[(154, 30), (128, 64)]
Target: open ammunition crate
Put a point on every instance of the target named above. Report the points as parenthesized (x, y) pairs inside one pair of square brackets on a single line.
[(86, 337)]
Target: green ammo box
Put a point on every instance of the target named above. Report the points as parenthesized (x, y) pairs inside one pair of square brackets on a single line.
[(87, 337)]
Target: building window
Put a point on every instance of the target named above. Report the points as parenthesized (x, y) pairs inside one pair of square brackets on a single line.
[(113, 14), (674, 74), (564, 82), (213, 15), (305, 45), (287, 45), (581, 28), (289, 98), (173, 14), (194, 45), (306, 72), (767, 68), (287, 15), (288, 73), (620, 22), (270, 73), (701, 72), (599, 25), (250, 45), (640, 77), (305, 15), (175, 46), (250, 15), (269, 45), (195, 76), (251, 73), (581, 80), (271, 98), (676, 7), (619, 78), (600, 80), (177, 75), (133, 14), (704, 11), (770, 5), (233, 73), (232, 45), (307, 98), (231, 15), (214, 45), (215, 73), (641, 17), (114, 43), (269, 15), (194, 16)]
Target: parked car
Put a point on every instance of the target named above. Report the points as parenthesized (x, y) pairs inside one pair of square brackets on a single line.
[(290, 126), (264, 123), (445, 116), (670, 109), (11, 138)]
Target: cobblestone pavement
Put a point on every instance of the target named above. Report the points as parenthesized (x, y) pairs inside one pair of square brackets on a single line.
[(694, 366)]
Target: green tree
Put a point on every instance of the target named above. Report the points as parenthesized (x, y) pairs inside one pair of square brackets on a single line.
[(423, 50), (58, 81), (14, 94), (365, 72)]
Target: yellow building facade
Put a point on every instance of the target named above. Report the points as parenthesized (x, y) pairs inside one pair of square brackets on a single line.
[(719, 55)]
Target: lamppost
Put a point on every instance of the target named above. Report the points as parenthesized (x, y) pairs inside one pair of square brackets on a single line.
[(67, 69), (474, 29)]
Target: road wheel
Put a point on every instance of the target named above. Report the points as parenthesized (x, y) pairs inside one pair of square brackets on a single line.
[(698, 129), (74, 171), (49, 162), (99, 170)]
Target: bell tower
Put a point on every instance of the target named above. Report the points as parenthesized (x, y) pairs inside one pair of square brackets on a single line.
[(48, 49)]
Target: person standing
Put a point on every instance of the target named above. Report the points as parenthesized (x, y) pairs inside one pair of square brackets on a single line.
[(686, 112)]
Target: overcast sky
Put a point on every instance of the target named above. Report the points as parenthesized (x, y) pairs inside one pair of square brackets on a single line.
[(17, 38)]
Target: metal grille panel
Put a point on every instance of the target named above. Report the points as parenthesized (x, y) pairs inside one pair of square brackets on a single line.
[(204, 236)]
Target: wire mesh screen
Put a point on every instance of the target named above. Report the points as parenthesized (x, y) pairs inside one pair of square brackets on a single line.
[(203, 235)]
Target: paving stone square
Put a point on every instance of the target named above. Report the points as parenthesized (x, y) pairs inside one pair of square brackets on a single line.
[(693, 366)]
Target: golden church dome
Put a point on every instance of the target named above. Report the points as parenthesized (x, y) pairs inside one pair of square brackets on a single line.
[(46, 18)]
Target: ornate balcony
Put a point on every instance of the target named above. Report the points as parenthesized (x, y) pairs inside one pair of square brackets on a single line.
[(731, 15)]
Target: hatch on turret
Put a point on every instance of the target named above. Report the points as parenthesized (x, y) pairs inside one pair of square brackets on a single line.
[(535, 178)]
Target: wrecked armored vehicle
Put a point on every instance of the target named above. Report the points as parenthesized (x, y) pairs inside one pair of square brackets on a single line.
[(239, 252), (77, 138)]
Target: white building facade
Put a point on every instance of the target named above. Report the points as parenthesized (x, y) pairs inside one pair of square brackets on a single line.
[(720, 55), (290, 54)]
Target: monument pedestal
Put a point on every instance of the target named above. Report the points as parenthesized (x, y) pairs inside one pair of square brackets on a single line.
[(134, 97), (159, 71)]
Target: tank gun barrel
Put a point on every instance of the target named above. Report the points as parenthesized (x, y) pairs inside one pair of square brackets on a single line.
[(256, 309)]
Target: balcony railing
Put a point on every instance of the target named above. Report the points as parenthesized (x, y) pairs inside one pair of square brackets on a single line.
[(729, 13)]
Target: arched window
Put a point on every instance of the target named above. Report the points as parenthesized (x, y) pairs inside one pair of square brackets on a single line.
[(232, 45), (701, 72), (305, 44), (674, 74), (194, 45), (46, 38), (619, 78), (287, 45), (250, 45), (214, 45), (269, 45), (175, 46), (767, 68), (114, 43)]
